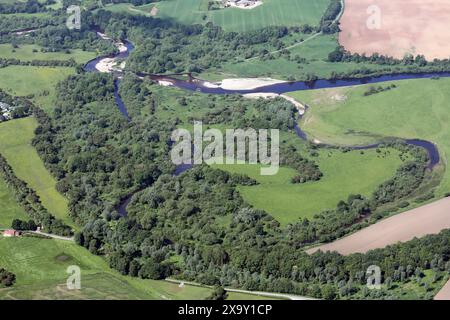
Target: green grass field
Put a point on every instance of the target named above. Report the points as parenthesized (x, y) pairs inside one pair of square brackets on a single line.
[(129, 8), (40, 266), (415, 109), (10, 209), (271, 13), (15, 146), (25, 53), (26, 80), (315, 50), (344, 174)]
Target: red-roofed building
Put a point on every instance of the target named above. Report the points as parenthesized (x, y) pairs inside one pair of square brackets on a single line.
[(11, 233)]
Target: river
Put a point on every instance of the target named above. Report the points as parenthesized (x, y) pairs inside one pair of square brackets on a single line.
[(197, 85)]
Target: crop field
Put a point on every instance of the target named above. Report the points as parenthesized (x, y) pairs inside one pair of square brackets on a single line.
[(38, 81), (405, 26), (344, 174), (26, 53), (15, 146), (271, 13), (403, 227), (414, 109)]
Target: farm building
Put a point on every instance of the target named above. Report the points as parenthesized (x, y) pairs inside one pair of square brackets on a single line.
[(11, 233)]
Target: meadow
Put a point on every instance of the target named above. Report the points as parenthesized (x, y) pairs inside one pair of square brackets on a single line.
[(344, 174), (129, 8), (25, 52), (271, 13), (414, 109), (37, 81), (10, 209), (40, 266), (315, 50), (15, 146)]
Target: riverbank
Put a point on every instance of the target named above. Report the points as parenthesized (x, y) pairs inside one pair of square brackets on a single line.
[(243, 83)]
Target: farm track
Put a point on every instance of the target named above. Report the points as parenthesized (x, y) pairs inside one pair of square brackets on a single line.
[(257, 293)]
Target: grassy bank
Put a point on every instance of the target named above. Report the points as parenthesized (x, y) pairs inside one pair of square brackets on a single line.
[(414, 109)]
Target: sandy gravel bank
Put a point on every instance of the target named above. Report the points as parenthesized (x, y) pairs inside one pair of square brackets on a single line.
[(107, 65), (243, 83)]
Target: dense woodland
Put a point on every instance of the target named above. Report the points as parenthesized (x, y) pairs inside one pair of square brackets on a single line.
[(96, 154), (196, 226), (276, 114), (29, 6)]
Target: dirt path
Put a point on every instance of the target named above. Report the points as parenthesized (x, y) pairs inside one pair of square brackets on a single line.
[(403, 227), (71, 239), (257, 293)]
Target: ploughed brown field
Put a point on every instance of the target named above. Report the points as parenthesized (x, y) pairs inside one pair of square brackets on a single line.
[(444, 294), (407, 26), (403, 227)]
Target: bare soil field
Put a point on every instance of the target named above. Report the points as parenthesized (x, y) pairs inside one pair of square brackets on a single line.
[(444, 294), (403, 227), (405, 26)]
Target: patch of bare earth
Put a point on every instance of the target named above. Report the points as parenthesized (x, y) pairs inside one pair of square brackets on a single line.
[(406, 26), (154, 11), (444, 293), (403, 227)]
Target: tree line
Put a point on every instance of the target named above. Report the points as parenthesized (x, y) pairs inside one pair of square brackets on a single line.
[(5, 62), (7, 278)]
